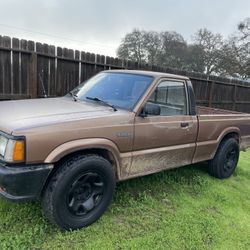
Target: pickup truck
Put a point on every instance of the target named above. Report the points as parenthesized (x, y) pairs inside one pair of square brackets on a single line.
[(70, 151)]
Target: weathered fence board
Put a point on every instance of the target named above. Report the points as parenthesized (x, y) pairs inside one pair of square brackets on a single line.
[(5, 66), (34, 70)]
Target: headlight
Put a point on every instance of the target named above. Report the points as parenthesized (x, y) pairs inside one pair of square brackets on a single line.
[(3, 145), (11, 150)]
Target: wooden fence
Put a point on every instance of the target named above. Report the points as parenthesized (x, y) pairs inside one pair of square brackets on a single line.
[(34, 70)]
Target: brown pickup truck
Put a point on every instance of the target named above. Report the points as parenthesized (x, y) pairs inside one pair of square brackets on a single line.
[(71, 151)]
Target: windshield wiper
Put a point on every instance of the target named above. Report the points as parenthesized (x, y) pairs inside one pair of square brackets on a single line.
[(96, 99), (74, 96)]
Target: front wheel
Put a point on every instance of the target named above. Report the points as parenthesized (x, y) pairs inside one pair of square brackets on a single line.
[(79, 192), (225, 160)]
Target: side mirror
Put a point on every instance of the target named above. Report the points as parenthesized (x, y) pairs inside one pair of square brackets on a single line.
[(150, 109)]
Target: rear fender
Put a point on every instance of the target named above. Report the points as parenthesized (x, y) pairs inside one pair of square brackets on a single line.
[(206, 150)]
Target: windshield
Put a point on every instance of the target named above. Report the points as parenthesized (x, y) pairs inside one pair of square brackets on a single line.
[(118, 89)]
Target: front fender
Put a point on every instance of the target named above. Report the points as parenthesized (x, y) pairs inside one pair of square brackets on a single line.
[(77, 145)]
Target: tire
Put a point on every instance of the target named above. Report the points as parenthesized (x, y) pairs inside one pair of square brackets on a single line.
[(79, 192), (226, 159)]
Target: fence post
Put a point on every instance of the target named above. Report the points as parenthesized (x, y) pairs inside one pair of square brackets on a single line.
[(211, 94), (234, 96), (33, 76)]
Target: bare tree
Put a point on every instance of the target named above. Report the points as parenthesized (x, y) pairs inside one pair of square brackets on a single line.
[(211, 44), (152, 44), (167, 48), (132, 47), (194, 58), (244, 47), (244, 28), (209, 53), (173, 51), (229, 59)]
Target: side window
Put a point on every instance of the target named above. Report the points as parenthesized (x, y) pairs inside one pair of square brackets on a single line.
[(171, 97)]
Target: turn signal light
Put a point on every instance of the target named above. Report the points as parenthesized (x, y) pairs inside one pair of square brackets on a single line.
[(18, 153)]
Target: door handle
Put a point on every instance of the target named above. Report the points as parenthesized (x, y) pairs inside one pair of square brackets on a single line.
[(184, 124)]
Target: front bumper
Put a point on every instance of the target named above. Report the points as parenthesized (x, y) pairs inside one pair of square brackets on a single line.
[(23, 182)]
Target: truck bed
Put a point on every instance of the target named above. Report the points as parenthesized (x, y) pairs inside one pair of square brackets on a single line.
[(202, 110), (214, 123)]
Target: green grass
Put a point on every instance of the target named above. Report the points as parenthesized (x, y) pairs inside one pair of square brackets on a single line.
[(178, 209)]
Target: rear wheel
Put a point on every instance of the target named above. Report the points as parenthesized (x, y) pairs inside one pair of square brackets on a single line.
[(225, 160), (79, 192)]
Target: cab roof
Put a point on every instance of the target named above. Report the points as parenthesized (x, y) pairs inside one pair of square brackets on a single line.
[(149, 73)]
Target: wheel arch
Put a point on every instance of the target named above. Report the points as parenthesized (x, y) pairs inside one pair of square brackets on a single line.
[(232, 132), (103, 147)]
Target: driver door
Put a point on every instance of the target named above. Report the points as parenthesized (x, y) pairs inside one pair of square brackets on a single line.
[(166, 140)]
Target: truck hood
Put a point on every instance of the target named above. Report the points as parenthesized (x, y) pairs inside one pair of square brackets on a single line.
[(26, 114)]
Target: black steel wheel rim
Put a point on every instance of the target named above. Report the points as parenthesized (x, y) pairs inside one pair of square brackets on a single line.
[(230, 159), (85, 193)]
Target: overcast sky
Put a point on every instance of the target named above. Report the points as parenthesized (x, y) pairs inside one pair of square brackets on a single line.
[(99, 25)]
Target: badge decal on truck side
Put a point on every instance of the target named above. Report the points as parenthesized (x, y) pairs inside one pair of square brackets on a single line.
[(124, 134)]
